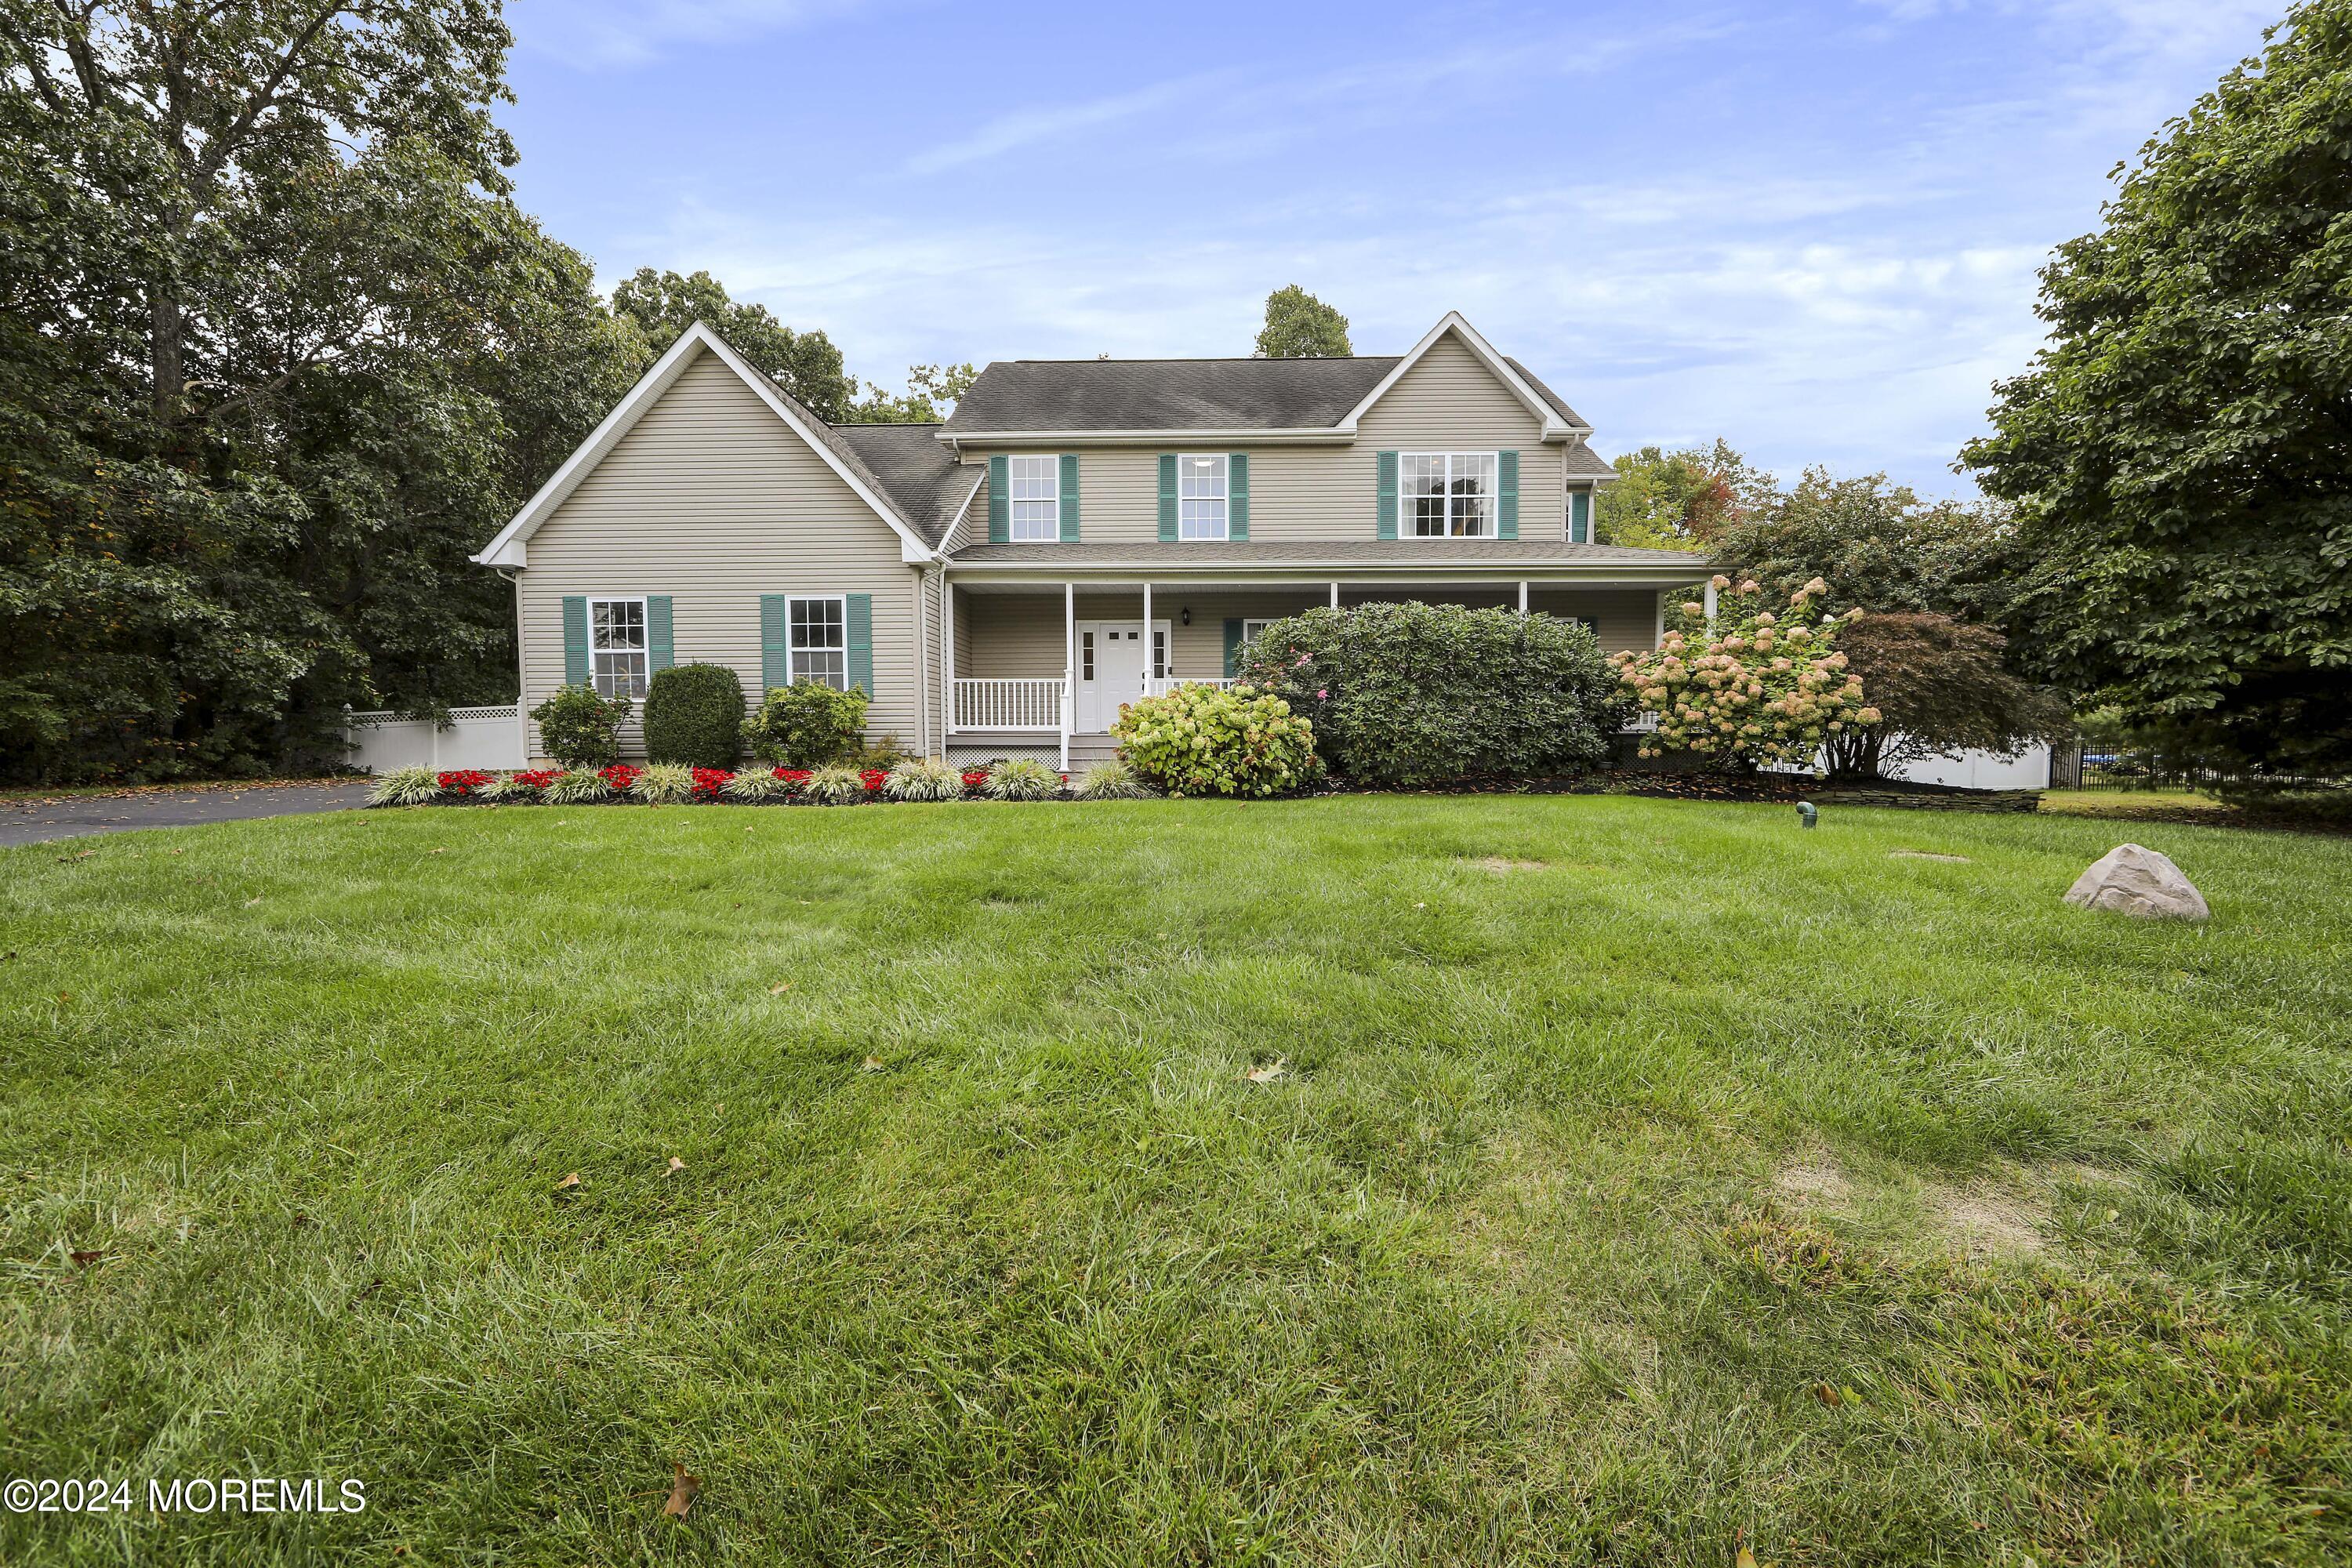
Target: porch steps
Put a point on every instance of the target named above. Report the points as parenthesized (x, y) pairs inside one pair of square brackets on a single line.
[(1086, 751)]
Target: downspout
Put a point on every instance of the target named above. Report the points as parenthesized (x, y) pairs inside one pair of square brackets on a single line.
[(523, 687)]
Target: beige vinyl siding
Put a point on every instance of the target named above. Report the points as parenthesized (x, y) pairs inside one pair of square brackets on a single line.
[(1019, 635), (713, 500), (1448, 401)]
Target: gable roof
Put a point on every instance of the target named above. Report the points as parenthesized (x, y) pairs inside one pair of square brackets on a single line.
[(922, 476), (1041, 397), (508, 548)]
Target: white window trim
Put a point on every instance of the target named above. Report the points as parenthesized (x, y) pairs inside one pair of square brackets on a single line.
[(1494, 496), (1052, 461), (792, 646), (1224, 461), (644, 619)]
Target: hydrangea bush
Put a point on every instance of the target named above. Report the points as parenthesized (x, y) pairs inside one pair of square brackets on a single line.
[(1757, 687), (1207, 740)]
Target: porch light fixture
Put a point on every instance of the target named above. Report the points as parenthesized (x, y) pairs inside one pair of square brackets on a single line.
[(1184, 615)]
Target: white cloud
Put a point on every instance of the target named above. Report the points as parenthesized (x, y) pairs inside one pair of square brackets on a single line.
[(593, 34)]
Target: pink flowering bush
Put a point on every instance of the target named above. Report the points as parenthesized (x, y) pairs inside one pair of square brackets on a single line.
[(1757, 687)]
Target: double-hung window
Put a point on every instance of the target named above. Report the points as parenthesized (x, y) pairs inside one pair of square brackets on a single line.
[(1451, 494), (617, 646), (1202, 496), (820, 640), (1035, 510)]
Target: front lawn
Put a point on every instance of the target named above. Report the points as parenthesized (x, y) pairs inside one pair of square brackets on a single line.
[(1627, 1177)]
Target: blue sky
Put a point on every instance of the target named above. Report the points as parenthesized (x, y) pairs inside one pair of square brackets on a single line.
[(1812, 229)]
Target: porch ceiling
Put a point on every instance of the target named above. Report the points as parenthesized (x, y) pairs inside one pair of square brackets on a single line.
[(1360, 564)]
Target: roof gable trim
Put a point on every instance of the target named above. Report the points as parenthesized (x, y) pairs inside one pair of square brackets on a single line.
[(508, 548), (1555, 429)]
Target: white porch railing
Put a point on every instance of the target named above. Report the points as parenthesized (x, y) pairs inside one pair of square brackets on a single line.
[(1161, 685), (1020, 704)]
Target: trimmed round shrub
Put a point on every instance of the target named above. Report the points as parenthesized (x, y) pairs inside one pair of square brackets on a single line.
[(406, 787), (580, 729), (1022, 778), (1413, 695), (1113, 780), (837, 785), (917, 778), (808, 724), (1206, 739), (694, 716)]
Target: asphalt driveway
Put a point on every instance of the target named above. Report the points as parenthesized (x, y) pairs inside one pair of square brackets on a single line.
[(73, 816)]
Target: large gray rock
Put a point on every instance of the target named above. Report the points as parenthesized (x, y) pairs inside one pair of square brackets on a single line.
[(2130, 880)]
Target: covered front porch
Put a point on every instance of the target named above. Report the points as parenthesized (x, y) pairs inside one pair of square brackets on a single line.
[(1041, 668)]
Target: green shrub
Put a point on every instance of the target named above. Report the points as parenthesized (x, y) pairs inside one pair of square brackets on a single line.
[(884, 754), (837, 783), (1022, 778), (1207, 740), (406, 787), (753, 786), (1113, 780), (580, 729), (578, 787), (1408, 696), (694, 715), (665, 784), (917, 778), (808, 724)]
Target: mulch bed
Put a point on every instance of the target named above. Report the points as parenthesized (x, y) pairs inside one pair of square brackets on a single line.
[(1783, 789)]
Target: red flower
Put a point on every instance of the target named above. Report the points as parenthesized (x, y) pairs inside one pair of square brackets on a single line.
[(793, 776), (974, 777), (464, 781), (708, 782), (620, 776), (872, 779), (537, 778)]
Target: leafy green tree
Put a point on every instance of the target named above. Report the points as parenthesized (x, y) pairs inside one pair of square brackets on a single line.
[(1679, 499), (1299, 326), (2178, 453), (931, 396), (276, 352), (1878, 546), (1938, 686), (806, 365)]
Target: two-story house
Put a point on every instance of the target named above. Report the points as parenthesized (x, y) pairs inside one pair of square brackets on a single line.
[(1077, 534)]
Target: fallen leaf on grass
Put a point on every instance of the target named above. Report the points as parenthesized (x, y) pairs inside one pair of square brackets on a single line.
[(873, 1064), (84, 1259), (68, 860), (568, 1183), (1266, 1072), (1746, 1558), (65, 996), (438, 852), (1827, 1396), (683, 1490), (253, 901), (777, 990), (675, 1166)]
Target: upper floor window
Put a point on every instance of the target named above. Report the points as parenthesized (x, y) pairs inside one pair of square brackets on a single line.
[(1450, 493), (1202, 497), (820, 640), (1036, 500), (617, 646)]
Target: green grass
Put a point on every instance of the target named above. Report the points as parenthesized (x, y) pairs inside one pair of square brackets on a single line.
[(1589, 1183)]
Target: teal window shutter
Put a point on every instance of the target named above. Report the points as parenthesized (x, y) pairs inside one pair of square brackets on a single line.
[(775, 643), (1000, 501), (660, 648), (1167, 497), (1507, 516), (1388, 495), (1237, 496), (861, 642), (575, 639), (1069, 497), (1579, 518), (1233, 648)]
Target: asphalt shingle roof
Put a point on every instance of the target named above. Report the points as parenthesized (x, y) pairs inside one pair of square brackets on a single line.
[(1167, 394), (917, 475), (1351, 552)]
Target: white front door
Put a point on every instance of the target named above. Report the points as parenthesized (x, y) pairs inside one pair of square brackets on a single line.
[(1112, 663)]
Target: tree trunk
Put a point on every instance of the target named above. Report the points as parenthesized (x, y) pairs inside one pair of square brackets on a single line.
[(167, 342)]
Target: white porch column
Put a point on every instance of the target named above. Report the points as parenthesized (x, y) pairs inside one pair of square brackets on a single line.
[(1069, 666), (1150, 642), (1335, 595), (1710, 601), (947, 659), (1523, 598)]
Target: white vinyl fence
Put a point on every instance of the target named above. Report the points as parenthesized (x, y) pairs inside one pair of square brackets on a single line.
[(485, 738)]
